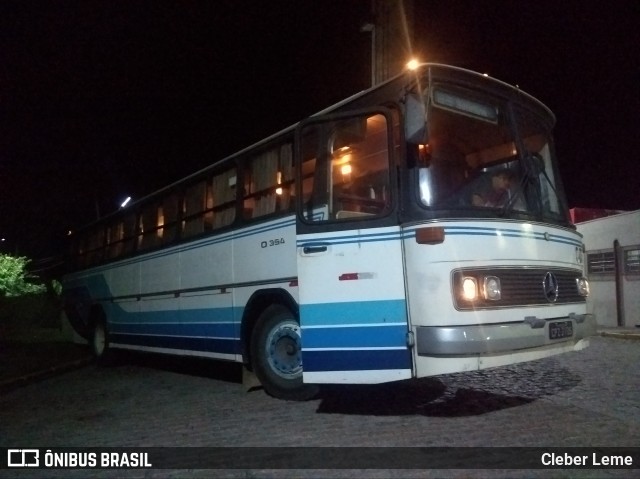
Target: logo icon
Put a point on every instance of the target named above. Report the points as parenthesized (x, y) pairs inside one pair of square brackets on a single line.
[(550, 287), (23, 458)]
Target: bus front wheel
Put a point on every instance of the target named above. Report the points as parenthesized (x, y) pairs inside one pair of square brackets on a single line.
[(277, 355)]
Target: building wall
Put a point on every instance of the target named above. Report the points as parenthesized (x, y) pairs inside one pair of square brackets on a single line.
[(609, 265)]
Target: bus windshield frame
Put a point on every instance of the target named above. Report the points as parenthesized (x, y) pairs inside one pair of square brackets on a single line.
[(487, 156)]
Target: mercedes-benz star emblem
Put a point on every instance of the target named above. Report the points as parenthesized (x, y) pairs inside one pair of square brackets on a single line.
[(550, 287)]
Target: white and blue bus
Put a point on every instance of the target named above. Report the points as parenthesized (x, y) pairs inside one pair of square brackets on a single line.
[(415, 229)]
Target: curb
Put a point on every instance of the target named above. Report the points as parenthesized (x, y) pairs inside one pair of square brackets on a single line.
[(14, 383), (620, 335)]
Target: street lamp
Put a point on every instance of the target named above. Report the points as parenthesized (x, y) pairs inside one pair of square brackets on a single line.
[(370, 27), (413, 64), (125, 202)]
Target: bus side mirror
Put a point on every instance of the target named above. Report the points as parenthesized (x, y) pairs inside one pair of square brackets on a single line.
[(415, 129)]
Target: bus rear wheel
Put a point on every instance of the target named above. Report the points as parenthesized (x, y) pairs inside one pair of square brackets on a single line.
[(100, 342), (277, 355)]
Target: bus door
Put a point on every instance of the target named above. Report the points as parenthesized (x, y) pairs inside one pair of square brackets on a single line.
[(353, 313)]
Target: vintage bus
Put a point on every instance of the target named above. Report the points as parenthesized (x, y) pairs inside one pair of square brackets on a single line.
[(417, 228)]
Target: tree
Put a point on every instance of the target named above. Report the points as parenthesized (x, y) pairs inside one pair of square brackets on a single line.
[(14, 277)]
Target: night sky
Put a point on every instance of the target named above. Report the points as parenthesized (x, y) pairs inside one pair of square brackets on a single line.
[(100, 100)]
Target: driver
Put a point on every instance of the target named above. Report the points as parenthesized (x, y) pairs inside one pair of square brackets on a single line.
[(496, 192)]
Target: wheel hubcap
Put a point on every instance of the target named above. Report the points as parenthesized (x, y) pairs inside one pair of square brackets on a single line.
[(99, 341), (284, 348)]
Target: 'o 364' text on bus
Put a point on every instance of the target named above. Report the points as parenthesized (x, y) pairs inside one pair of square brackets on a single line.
[(417, 228)]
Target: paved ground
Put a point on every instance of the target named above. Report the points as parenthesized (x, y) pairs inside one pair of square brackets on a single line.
[(24, 362), (589, 398)]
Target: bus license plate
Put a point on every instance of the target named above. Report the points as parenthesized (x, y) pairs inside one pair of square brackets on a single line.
[(561, 329)]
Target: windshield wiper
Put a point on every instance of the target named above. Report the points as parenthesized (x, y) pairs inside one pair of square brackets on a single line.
[(533, 166)]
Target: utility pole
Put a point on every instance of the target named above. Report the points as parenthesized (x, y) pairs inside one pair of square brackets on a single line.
[(391, 29)]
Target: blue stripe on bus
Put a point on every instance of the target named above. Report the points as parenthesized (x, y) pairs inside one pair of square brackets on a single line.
[(355, 337), (231, 346), (200, 330), (353, 313), (449, 230), (359, 360), (510, 233), (359, 238)]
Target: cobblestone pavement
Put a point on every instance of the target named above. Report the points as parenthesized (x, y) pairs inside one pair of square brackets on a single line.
[(589, 398)]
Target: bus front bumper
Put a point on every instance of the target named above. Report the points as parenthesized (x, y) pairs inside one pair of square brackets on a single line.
[(501, 338)]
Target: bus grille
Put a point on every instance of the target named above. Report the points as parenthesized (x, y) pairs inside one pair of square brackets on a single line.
[(520, 287)]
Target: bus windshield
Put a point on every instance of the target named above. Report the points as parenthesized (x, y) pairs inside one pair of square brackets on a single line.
[(485, 157)]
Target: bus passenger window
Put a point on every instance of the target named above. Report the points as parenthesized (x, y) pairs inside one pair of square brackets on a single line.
[(120, 237), (115, 234), (224, 198), (193, 209), (128, 233), (208, 207), (95, 246), (167, 231), (148, 236), (268, 182), (286, 182)]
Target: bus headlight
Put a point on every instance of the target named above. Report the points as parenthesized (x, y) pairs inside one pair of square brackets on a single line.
[(492, 290), (583, 286), (476, 289), (469, 288)]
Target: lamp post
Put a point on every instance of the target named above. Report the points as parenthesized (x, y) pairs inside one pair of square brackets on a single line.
[(370, 27), (412, 64)]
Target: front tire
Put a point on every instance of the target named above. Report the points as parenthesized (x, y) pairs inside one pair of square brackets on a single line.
[(276, 355)]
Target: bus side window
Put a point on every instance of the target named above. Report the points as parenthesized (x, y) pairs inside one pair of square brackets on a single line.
[(158, 223), (286, 179), (308, 167), (148, 227), (311, 198), (128, 233), (168, 226), (268, 182), (193, 207), (223, 199), (345, 171), (208, 206), (95, 246), (115, 234), (120, 237), (360, 172)]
